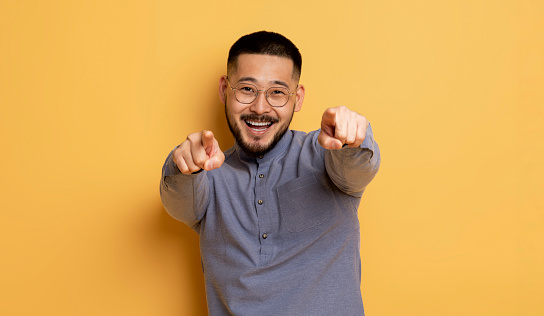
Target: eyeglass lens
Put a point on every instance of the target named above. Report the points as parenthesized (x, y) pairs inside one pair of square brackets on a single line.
[(247, 93)]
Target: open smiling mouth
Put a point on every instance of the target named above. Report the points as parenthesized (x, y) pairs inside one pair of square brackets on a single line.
[(258, 126)]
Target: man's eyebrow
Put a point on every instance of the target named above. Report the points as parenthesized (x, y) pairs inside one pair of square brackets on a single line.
[(281, 83), (247, 79), (273, 82)]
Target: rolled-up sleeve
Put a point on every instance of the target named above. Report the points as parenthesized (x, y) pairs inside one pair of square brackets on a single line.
[(184, 196), (352, 169)]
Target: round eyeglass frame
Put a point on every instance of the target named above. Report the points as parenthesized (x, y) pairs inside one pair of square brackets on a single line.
[(257, 94)]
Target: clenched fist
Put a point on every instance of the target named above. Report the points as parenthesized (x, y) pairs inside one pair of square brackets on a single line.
[(341, 126), (199, 151)]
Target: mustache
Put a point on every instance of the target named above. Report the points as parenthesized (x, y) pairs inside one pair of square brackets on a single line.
[(259, 118)]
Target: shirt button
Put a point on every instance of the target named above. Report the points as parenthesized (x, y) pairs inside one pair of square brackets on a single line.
[(260, 202), (261, 176), (265, 236), (261, 156)]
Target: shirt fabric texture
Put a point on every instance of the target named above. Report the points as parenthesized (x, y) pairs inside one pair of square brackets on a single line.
[(279, 234)]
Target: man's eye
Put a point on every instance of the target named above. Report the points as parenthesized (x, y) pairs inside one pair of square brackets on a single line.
[(278, 92), (247, 89)]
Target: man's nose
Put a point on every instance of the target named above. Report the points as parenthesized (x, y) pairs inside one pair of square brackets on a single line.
[(260, 105)]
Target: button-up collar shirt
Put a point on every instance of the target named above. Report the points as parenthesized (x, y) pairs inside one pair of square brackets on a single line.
[(279, 234)]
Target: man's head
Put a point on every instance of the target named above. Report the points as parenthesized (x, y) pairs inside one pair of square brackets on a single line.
[(267, 65), (265, 43)]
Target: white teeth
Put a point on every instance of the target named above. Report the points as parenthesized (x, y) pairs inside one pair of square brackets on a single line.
[(259, 123)]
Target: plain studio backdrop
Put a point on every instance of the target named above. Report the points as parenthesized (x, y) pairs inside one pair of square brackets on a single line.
[(94, 94)]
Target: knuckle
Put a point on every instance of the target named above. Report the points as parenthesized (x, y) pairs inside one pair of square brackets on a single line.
[(193, 137), (194, 169), (340, 132), (178, 149), (183, 147), (183, 168), (199, 161), (177, 157)]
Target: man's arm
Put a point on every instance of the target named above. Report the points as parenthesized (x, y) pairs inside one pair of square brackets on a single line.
[(184, 188), (352, 158)]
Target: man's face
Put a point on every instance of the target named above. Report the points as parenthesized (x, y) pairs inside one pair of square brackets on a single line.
[(258, 126)]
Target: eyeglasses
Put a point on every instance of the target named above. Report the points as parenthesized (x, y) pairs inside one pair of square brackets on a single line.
[(247, 93)]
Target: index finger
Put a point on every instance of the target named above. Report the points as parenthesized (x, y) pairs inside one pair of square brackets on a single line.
[(207, 138)]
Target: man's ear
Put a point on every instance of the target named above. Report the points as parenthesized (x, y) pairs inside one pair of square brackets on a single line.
[(223, 89), (299, 97)]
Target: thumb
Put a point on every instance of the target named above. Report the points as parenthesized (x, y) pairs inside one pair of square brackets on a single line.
[(326, 136), (215, 161), (328, 142), (216, 156)]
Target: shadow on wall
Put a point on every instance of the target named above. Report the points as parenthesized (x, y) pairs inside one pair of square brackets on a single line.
[(222, 132), (183, 242), (220, 126)]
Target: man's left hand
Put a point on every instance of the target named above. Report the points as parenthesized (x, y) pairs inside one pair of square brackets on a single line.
[(341, 126)]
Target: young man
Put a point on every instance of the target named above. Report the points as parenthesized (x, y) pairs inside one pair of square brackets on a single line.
[(277, 212)]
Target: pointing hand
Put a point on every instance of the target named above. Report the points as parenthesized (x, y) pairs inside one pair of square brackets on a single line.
[(341, 126), (199, 151)]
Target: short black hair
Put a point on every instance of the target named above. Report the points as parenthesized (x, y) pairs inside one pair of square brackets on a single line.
[(266, 43)]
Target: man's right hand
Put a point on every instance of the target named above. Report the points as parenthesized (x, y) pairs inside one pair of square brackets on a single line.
[(199, 151)]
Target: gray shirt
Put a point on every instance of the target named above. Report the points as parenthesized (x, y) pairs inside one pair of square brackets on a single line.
[(279, 234)]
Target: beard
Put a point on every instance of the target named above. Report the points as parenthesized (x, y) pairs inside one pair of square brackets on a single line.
[(255, 149)]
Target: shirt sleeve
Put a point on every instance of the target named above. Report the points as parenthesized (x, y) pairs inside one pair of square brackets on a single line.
[(352, 169), (184, 196)]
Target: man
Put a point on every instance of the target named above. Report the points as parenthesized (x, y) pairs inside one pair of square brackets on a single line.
[(277, 212)]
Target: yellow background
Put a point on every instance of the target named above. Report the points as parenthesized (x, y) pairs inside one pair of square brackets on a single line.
[(94, 94)]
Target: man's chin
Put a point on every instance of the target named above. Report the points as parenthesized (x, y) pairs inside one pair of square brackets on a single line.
[(255, 148)]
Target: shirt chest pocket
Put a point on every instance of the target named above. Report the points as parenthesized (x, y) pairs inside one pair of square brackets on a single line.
[(304, 203)]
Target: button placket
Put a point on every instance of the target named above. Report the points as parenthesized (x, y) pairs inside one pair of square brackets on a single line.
[(260, 204)]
